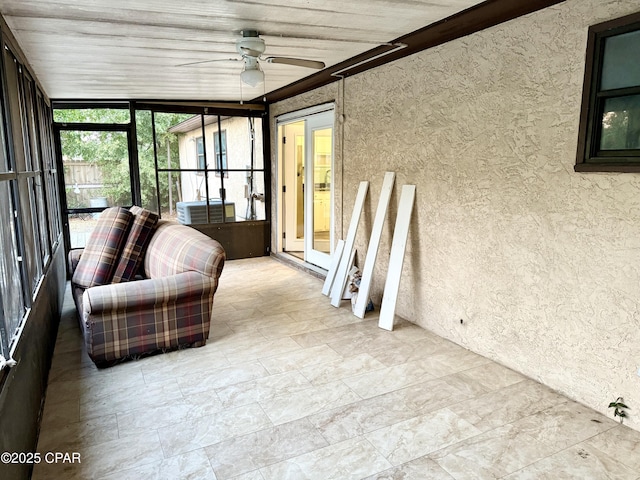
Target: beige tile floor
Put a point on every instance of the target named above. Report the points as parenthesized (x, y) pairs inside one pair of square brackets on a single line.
[(290, 388)]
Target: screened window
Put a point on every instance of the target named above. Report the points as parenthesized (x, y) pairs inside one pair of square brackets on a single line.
[(30, 219), (610, 121), (28, 200), (231, 187), (185, 163)]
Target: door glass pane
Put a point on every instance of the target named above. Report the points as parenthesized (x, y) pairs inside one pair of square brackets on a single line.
[(298, 183), (620, 66), (322, 149), (621, 123), (96, 174), (291, 159)]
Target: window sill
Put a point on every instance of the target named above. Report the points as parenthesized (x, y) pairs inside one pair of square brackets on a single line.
[(607, 167)]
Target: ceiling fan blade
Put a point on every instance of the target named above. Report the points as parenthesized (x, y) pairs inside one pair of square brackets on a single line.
[(298, 62), (209, 61)]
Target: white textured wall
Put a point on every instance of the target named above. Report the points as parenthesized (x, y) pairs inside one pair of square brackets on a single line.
[(542, 263)]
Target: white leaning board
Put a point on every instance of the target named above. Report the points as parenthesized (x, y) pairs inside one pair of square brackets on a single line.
[(340, 280), (331, 274), (374, 244), (396, 258)]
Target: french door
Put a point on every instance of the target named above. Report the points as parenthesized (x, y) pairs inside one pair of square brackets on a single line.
[(319, 160), (307, 159)]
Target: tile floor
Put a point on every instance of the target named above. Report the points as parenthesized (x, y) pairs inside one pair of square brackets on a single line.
[(290, 388)]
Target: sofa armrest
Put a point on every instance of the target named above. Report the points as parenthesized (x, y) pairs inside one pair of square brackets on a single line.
[(74, 258), (156, 292), (127, 320)]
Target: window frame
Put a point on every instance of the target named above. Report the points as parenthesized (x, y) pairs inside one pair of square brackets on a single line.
[(588, 158)]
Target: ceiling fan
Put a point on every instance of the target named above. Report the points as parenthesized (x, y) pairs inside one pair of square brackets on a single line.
[(251, 47)]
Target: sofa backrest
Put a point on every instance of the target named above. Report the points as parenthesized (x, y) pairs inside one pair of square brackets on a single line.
[(176, 248), (104, 246), (144, 222)]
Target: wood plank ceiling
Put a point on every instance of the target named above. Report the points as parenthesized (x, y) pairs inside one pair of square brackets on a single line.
[(124, 49)]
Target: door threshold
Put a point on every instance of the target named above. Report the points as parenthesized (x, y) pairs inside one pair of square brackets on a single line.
[(300, 264)]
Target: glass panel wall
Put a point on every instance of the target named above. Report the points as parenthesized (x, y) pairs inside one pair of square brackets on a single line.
[(28, 196), (190, 167), (221, 170)]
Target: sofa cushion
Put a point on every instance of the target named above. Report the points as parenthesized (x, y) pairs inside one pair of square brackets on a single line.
[(133, 252), (100, 255)]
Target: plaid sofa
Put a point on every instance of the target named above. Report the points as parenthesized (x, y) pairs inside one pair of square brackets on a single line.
[(168, 306)]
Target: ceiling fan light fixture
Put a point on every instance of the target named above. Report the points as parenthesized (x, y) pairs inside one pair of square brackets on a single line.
[(252, 76)]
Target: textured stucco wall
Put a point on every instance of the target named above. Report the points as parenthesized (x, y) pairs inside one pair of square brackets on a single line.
[(542, 263)]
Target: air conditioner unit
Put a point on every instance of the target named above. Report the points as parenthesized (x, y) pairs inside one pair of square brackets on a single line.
[(196, 212)]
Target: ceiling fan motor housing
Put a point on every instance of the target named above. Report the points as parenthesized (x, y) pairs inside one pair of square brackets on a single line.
[(250, 44)]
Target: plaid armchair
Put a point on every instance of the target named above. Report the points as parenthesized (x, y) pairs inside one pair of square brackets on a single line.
[(166, 308)]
